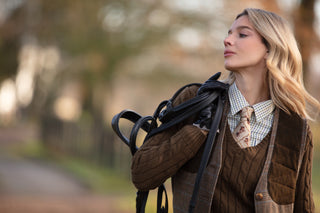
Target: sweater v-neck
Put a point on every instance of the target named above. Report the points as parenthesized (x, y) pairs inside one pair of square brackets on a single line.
[(239, 175), (251, 149)]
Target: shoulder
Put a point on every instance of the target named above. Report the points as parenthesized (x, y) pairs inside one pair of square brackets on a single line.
[(187, 93)]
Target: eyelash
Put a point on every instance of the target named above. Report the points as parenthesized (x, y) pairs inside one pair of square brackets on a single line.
[(241, 35)]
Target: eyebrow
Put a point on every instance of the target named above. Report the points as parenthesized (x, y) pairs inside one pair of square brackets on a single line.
[(240, 28)]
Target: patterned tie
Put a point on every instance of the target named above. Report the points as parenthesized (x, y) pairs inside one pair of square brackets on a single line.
[(242, 132)]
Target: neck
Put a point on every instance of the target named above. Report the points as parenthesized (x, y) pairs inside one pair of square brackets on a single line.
[(253, 86)]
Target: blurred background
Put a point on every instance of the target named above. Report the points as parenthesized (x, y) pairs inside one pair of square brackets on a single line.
[(67, 67)]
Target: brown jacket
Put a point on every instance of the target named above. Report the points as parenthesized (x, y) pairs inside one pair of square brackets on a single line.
[(284, 185)]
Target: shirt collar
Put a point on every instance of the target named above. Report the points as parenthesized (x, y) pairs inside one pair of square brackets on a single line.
[(238, 101)]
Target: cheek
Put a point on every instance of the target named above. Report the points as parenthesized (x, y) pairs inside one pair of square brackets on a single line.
[(249, 53), (254, 50), (259, 54)]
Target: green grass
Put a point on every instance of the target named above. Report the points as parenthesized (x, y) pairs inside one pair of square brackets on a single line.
[(109, 182), (315, 127), (100, 180), (316, 183)]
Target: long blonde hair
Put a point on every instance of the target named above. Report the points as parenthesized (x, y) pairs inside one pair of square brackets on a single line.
[(284, 63)]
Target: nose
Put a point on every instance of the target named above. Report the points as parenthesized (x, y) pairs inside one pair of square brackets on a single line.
[(227, 41)]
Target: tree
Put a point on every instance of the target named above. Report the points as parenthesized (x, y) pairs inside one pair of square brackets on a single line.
[(11, 30), (304, 18), (95, 38)]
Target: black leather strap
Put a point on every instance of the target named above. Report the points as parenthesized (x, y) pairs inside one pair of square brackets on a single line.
[(139, 123), (207, 152), (208, 93), (141, 201), (142, 122), (160, 208), (186, 110), (128, 115)]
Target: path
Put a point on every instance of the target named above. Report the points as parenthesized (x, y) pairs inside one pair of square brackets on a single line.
[(32, 186)]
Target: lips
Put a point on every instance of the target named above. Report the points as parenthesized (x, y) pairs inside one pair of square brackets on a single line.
[(228, 53)]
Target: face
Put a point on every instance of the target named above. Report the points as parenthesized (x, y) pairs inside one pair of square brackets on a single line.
[(244, 48)]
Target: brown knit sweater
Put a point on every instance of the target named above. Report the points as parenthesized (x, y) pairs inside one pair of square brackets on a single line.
[(240, 172), (166, 154)]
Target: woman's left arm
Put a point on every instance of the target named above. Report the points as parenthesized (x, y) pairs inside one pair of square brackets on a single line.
[(304, 199)]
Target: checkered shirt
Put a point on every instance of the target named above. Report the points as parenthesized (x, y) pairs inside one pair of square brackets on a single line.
[(261, 119)]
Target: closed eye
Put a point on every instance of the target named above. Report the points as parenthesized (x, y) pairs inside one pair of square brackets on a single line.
[(241, 35)]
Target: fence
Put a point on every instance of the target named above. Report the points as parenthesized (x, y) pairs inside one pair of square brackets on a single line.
[(83, 140)]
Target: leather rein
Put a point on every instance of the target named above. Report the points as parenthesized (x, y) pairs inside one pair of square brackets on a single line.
[(170, 116)]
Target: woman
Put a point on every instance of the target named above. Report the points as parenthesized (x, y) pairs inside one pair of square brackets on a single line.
[(261, 160)]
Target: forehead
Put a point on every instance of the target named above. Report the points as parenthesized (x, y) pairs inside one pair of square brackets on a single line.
[(242, 22)]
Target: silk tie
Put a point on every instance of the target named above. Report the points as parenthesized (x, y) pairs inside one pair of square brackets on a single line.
[(242, 132)]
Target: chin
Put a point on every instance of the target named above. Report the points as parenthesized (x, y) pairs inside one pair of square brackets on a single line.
[(230, 68)]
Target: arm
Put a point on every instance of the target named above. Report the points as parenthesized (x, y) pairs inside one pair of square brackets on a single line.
[(162, 155), (304, 199)]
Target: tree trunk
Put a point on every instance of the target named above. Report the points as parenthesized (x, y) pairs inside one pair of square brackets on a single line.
[(103, 137), (305, 34)]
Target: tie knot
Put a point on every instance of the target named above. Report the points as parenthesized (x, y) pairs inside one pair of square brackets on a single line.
[(246, 112)]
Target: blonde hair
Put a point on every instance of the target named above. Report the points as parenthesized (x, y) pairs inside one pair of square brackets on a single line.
[(284, 63)]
